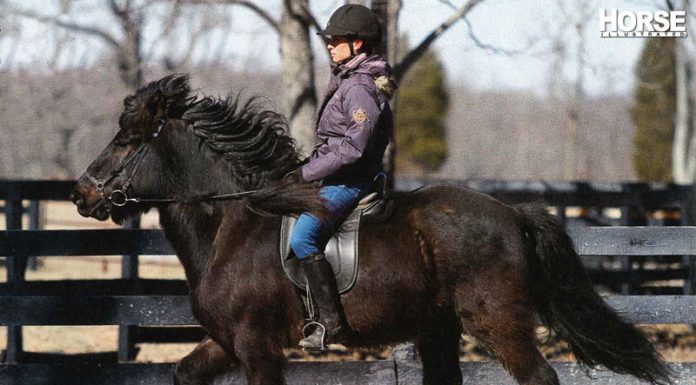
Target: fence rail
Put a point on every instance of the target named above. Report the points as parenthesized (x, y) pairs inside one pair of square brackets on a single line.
[(311, 373), (175, 310), (143, 306)]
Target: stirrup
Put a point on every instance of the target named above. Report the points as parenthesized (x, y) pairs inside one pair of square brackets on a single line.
[(336, 344), (306, 335)]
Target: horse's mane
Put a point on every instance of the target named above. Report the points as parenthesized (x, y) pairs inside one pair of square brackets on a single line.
[(253, 140)]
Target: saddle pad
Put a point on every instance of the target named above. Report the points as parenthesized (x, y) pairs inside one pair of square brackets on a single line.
[(341, 252)]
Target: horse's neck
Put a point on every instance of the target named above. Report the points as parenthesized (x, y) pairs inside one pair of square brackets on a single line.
[(191, 229)]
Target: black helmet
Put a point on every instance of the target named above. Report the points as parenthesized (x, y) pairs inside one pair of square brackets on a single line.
[(353, 20)]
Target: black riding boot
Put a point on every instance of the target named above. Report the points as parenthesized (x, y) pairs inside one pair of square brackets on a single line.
[(322, 286)]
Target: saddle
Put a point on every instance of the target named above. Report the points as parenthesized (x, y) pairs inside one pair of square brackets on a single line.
[(341, 251)]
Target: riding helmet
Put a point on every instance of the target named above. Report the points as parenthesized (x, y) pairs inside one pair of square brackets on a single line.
[(353, 21)]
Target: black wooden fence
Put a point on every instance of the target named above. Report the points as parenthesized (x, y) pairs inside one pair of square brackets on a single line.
[(158, 310)]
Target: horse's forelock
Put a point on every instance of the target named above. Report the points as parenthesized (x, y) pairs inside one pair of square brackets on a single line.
[(176, 90), (177, 93)]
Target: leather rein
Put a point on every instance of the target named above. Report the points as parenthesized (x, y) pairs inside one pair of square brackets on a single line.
[(119, 197)]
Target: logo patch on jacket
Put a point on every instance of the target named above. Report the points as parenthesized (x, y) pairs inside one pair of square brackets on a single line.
[(359, 116)]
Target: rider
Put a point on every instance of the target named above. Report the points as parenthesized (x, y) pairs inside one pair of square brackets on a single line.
[(354, 126)]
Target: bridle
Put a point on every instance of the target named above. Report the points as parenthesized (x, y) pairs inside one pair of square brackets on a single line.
[(120, 198)]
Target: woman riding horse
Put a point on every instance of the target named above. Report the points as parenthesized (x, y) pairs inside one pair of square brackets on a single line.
[(443, 261), (354, 126)]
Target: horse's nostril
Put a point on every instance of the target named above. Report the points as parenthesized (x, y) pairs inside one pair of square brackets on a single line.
[(76, 198)]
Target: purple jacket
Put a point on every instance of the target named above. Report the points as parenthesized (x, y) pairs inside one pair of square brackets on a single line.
[(354, 124)]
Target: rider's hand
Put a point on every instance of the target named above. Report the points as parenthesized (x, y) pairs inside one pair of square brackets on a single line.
[(294, 176)]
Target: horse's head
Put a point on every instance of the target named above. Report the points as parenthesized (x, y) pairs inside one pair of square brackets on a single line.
[(130, 165)]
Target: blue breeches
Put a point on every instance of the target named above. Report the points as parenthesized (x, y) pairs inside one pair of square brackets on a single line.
[(310, 235)]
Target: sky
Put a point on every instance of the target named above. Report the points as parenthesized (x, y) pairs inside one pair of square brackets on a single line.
[(526, 27)]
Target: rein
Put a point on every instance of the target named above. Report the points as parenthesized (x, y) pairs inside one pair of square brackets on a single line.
[(119, 197)]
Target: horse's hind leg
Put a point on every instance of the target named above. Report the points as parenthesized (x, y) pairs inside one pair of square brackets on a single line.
[(505, 325), (438, 347), (205, 362)]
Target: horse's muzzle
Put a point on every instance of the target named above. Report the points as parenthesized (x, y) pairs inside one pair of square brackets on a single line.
[(89, 203)]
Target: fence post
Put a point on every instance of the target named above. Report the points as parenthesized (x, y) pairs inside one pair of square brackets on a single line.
[(129, 270), (34, 224), (631, 215), (688, 218), (627, 283), (16, 265), (404, 358), (561, 215)]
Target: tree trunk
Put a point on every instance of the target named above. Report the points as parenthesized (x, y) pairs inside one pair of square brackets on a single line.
[(380, 7), (575, 161), (129, 52), (683, 146), (680, 145), (388, 13), (129, 57), (392, 30), (300, 96)]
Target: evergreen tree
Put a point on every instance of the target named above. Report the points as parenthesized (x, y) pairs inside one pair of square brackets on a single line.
[(653, 111), (421, 109)]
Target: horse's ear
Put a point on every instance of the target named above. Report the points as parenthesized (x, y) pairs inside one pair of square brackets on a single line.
[(128, 100), (156, 104)]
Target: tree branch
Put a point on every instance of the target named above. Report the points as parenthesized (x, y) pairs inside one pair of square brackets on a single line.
[(479, 43), (173, 64), (89, 30), (310, 18), (115, 8), (275, 24), (403, 66)]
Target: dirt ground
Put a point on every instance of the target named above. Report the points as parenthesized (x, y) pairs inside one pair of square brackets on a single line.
[(677, 343)]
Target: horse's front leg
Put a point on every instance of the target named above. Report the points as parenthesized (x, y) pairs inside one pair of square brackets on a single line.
[(260, 354), (205, 362)]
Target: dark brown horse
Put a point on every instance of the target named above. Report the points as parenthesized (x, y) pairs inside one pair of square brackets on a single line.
[(446, 261)]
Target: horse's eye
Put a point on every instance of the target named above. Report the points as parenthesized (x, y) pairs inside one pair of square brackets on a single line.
[(120, 143), (125, 141)]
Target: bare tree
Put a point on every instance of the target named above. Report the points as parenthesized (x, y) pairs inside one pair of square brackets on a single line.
[(300, 98), (567, 44), (10, 31), (392, 30), (684, 143), (412, 56), (126, 49)]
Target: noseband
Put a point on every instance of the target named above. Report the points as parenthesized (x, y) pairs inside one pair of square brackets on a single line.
[(119, 197)]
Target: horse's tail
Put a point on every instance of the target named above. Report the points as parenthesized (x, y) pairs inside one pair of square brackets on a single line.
[(568, 304)]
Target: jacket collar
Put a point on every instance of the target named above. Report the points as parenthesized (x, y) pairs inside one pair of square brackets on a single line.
[(346, 68)]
